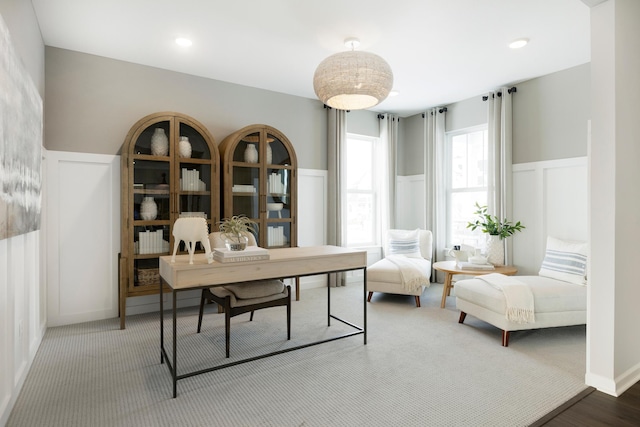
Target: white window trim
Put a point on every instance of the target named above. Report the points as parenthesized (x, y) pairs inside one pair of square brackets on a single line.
[(448, 175)]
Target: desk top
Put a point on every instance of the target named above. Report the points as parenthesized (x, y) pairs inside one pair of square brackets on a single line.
[(283, 263), (451, 268)]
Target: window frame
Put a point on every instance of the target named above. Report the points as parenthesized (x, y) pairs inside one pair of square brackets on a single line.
[(375, 192), (449, 190)]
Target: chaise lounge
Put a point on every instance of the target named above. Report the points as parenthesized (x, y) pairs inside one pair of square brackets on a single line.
[(559, 293)]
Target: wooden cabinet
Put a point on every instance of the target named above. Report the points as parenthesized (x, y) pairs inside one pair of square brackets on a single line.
[(259, 180), (169, 169)]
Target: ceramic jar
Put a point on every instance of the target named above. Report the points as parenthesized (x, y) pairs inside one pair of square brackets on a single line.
[(184, 147), (148, 209), (159, 143), (251, 154), (495, 250)]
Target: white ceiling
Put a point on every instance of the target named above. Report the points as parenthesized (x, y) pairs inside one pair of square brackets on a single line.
[(440, 51)]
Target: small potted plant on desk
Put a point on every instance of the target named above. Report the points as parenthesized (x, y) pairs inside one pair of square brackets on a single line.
[(235, 230), (497, 230)]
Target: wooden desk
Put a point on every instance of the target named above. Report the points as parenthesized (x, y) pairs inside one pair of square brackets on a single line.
[(450, 269), (284, 262)]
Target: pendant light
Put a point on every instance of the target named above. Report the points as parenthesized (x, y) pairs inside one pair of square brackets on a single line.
[(353, 80)]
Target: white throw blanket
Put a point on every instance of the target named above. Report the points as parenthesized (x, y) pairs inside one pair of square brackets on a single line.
[(415, 272), (520, 308)]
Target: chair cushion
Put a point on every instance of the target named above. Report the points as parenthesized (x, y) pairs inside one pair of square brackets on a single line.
[(404, 242), (549, 295), (256, 289), (386, 271), (565, 261)]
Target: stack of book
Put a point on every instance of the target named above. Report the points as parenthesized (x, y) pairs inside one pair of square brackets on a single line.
[(251, 253), (463, 265)]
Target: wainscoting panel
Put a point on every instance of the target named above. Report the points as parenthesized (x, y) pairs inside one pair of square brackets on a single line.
[(84, 240), (312, 215), (550, 199), (312, 207)]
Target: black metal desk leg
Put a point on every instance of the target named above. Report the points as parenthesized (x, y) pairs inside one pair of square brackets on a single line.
[(329, 299), (364, 285), (175, 347), (161, 324)]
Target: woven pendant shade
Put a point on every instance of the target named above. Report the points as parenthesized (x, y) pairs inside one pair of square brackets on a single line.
[(353, 80)]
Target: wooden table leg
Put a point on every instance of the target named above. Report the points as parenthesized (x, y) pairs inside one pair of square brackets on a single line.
[(297, 288), (446, 289)]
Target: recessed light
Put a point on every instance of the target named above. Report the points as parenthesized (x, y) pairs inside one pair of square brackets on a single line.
[(394, 93), (517, 44), (181, 41)]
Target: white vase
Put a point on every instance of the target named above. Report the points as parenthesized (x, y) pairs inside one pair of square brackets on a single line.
[(184, 147), (495, 250), (159, 143), (269, 154), (251, 154), (148, 209)]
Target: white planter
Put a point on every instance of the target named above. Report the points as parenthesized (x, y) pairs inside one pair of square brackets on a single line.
[(269, 154), (148, 209), (251, 154), (495, 250), (184, 147), (159, 143)]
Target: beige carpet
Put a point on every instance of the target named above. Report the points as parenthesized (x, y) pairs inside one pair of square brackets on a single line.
[(419, 368)]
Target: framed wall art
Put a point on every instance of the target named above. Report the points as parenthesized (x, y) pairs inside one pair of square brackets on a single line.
[(20, 144)]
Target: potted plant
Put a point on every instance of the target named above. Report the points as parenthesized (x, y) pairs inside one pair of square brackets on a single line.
[(235, 230), (497, 230)]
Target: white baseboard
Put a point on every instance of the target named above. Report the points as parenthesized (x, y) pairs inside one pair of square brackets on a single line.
[(614, 387)]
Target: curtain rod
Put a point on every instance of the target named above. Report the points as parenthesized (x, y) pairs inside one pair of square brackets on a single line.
[(440, 110), (509, 91), (330, 108), (381, 117)]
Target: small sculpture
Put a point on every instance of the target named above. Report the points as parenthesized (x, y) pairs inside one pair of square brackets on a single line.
[(191, 231)]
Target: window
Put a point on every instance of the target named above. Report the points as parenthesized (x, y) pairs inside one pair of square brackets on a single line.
[(362, 201), (466, 184)]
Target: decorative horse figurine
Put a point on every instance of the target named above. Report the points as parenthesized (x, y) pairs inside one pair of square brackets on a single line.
[(191, 231)]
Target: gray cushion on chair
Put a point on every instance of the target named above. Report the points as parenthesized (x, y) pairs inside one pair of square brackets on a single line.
[(256, 289), (223, 292)]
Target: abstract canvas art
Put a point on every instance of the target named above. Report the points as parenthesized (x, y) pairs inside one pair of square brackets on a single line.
[(20, 144)]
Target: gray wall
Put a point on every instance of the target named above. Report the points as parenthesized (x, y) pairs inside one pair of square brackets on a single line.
[(550, 116), (92, 102), (27, 40), (411, 147), (363, 122)]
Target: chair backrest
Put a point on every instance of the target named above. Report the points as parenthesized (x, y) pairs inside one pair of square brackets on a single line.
[(217, 241), (425, 242)]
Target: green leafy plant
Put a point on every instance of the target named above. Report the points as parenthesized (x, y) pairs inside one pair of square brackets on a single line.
[(492, 225), (233, 228)]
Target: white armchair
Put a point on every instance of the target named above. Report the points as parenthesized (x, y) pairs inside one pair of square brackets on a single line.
[(406, 266)]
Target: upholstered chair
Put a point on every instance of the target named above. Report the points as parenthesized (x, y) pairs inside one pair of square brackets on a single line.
[(406, 266), (245, 297)]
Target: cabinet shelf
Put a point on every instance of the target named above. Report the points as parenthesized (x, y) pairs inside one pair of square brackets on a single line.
[(151, 191), (194, 193), (150, 223), (148, 179), (151, 256)]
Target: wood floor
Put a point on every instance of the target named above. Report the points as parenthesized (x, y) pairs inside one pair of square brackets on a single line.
[(594, 408)]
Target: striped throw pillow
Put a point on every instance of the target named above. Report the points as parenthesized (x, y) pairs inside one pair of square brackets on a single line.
[(566, 261), (404, 242)]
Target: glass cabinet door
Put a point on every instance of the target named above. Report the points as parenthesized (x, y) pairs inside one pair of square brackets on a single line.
[(259, 168)]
